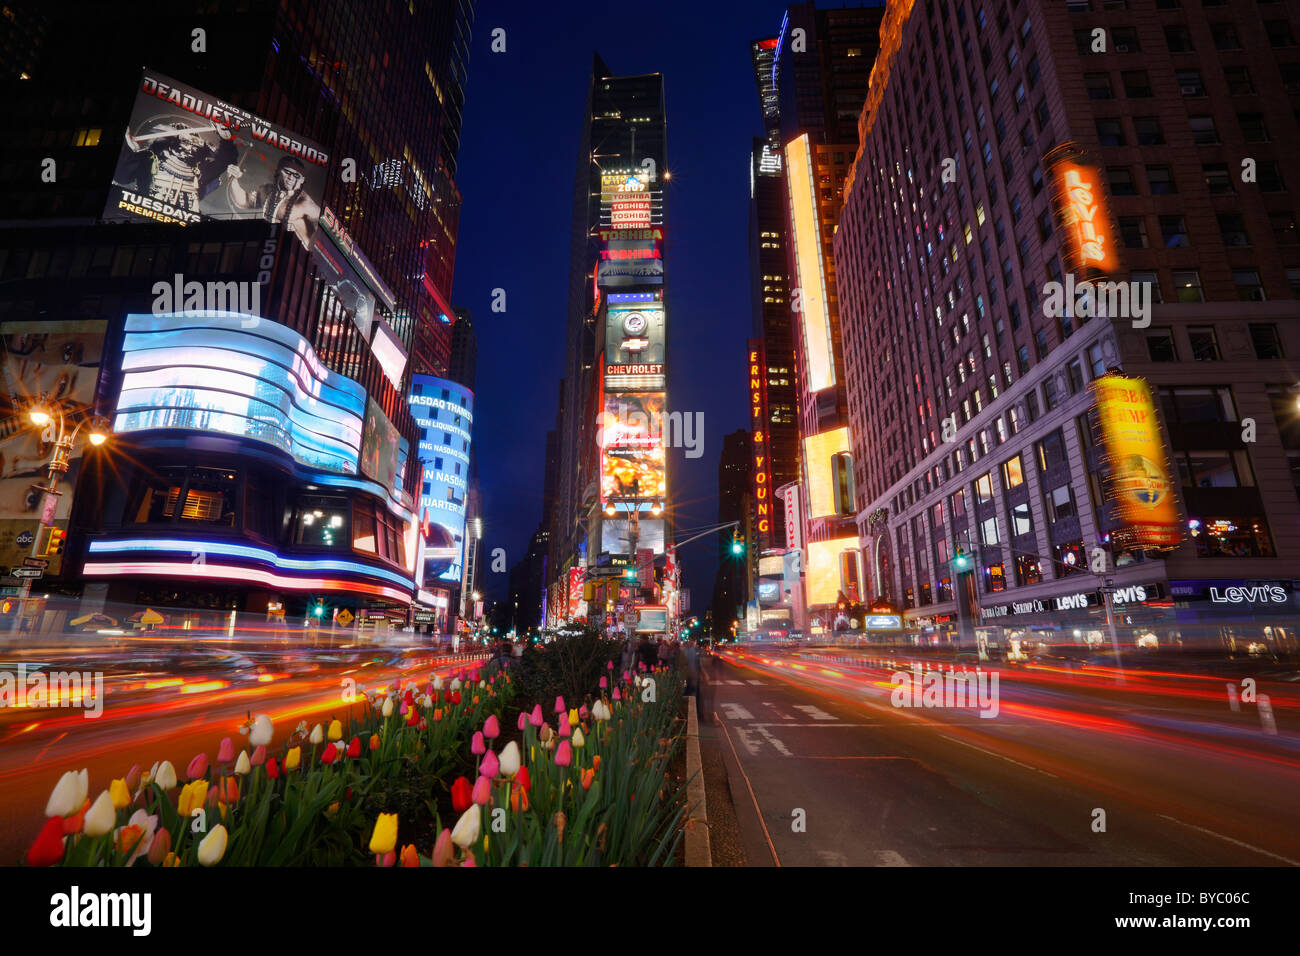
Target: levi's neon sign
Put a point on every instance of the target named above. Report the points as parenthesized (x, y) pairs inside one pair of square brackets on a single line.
[(1086, 217)]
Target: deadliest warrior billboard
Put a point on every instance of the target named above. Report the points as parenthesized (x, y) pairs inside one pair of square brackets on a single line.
[(188, 157)]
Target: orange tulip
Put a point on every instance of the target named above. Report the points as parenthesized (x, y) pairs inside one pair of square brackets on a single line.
[(229, 790), (374, 741), (595, 762), (74, 823), (128, 837), (587, 776), (409, 856), (519, 799), (437, 714)]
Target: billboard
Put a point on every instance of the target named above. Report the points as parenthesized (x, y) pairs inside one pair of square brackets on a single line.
[(380, 446), (634, 335), (832, 567), (631, 439), (444, 413), (811, 276), (630, 272), (188, 157), (56, 359), (819, 452), (238, 375), (616, 537), (651, 618), (1139, 471), (628, 200), (1084, 212), (577, 606)]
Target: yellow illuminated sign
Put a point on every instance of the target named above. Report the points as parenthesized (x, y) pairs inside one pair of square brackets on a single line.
[(825, 569), (811, 289), (1140, 482), (818, 454)]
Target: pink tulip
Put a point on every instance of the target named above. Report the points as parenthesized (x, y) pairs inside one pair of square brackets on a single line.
[(491, 766), (535, 718), (482, 791), (565, 729), (563, 754), (388, 859), (474, 676), (609, 665), (226, 752), (583, 712), (476, 745), (559, 705), (444, 850), (627, 675), (603, 683), (491, 728), (523, 720), (259, 756), (198, 767), (402, 710), (469, 860), (616, 695)]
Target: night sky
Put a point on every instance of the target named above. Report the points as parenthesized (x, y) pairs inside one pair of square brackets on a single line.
[(518, 154)]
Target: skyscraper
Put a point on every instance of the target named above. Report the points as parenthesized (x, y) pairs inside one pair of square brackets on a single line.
[(731, 583), (463, 364), (1066, 218)]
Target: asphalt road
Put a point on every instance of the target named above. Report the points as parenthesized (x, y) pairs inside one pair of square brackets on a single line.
[(823, 770)]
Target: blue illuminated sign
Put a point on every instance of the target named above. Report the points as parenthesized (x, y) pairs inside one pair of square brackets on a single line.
[(444, 413)]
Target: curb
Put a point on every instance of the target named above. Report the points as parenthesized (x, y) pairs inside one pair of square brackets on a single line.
[(698, 852)]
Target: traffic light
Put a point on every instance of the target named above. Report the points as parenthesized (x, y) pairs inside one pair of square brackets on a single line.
[(961, 561), (7, 607), (737, 543), (54, 540), (318, 611)]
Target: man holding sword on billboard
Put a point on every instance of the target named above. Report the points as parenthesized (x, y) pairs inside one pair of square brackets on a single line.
[(181, 157)]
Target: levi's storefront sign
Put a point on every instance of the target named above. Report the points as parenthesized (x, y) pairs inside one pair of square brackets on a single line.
[(1126, 596), (1239, 599)]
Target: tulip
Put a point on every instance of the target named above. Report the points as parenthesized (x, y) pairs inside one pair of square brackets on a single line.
[(523, 780), (469, 859), (166, 775), (272, 769), (563, 754), (197, 768), (491, 727), (388, 707), (582, 712), (293, 758), (565, 728), (47, 849), (384, 837), (454, 697), (509, 761), (226, 752), (317, 736), (354, 748), (133, 779), (374, 741), (616, 695), (627, 675), (161, 846), (136, 838), (587, 776), (560, 821), (409, 856), (476, 744), (609, 665), (229, 790), (546, 734), (193, 795), (329, 755), (573, 715), (535, 718), (437, 683), (579, 741), (68, 794), (259, 756), (603, 683), (443, 852), (213, 846), (403, 708), (465, 833), (335, 731), (559, 705), (101, 816), (413, 717), (260, 734), (595, 762), (482, 792), (120, 794), (600, 710), (437, 714), (455, 684), (519, 799), (461, 795), (385, 859), (491, 766)]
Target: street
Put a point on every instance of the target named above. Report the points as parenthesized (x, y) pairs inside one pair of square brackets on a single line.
[(824, 771)]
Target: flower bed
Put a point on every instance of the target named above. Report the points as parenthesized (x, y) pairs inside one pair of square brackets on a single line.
[(589, 787)]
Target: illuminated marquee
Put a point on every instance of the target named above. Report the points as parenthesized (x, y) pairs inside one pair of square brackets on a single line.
[(1081, 206), (762, 458), (819, 453), (811, 289), (1139, 471)]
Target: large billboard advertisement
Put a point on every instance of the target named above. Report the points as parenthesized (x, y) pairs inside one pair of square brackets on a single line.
[(812, 299), (631, 439), (616, 535), (634, 336), (58, 360), (1139, 471), (444, 413), (188, 157), (819, 453), (832, 567), (380, 446), (239, 375)]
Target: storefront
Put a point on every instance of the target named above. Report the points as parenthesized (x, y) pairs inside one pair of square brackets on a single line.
[(1257, 618), (1022, 629)]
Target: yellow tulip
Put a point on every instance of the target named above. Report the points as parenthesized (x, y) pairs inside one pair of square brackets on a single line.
[(336, 730), (573, 716), (293, 758), (213, 846), (121, 796), (193, 796), (384, 839)]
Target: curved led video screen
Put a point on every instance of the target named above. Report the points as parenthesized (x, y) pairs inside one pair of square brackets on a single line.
[(239, 375)]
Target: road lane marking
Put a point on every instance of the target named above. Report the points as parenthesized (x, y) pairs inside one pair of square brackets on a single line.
[(746, 738), (748, 786), (735, 712), (1193, 826), (994, 753), (832, 858), (890, 858), (767, 735), (768, 703), (733, 683), (756, 683), (816, 713)]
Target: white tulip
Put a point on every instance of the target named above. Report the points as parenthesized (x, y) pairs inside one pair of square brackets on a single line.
[(600, 710), (455, 683), (317, 736), (68, 794), (101, 816), (437, 682), (213, 846), (388, 707), (509, 759), (166, 776), (579, 741), (260, 736), (465, 833), (482, 683), (242, 766)]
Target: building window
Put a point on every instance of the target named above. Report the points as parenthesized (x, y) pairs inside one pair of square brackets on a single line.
[(1137, 85), (1189, 82), (1284, 228), (322, 522), (1269, 178), (1173, 232), (1198, 405), (1178, 39), (1238, 78), (1253, 128), (1215, 469), (1110, 132), (1133, 229), (1205, 347), (1022, 521), (1249, 288), (1060, 503), (1012, 474), (1279, 33), (1160, 181), (1225, 36), (1232, 229), (1098, 85), (1148, 131), (1151, 279), (1203, 130), (1230, 536), (1028, 569), (1069, 558), (1187, 285), (1217, 179), (1121, 182), (1160, 345), (989, 531)]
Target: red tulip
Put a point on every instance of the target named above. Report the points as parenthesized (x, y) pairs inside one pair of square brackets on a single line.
[(259, 756), (454, 697), (272, 769), (48, 846), (74, 823), (354, 748), (198, 766), (462, 795), (329, 754), (523, 780)]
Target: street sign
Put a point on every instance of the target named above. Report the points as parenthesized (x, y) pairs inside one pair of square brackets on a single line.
[(24, 539), (345, 617), (26, 572), (36, 562)]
